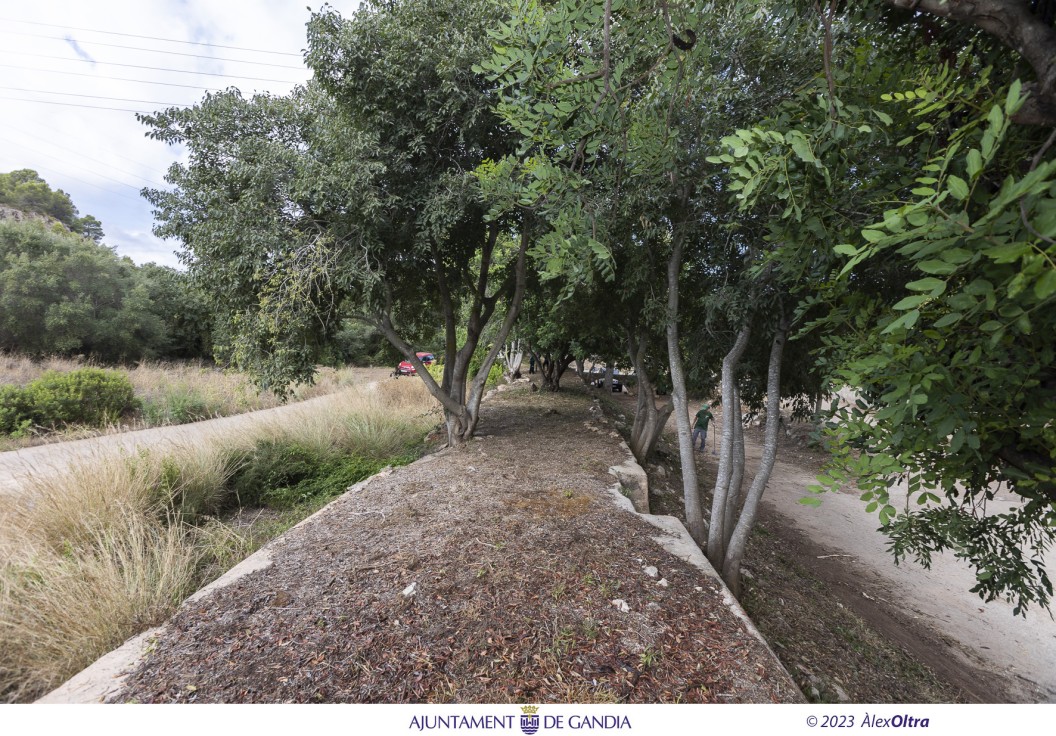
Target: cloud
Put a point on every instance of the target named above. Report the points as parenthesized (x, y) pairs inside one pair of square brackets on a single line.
[(77, 49), (75, 123)]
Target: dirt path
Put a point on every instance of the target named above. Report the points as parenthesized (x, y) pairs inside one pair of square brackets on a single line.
[(502, 570), (931, 612), (17, 465)]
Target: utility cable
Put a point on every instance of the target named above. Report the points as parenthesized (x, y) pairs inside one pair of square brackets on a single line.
[(116, 79), (152, 68), (96, 97), (149, 38), (154, 51), (81, 154)]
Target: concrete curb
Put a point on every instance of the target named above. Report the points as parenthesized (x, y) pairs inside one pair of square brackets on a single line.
[(676, 540), (106, 676)]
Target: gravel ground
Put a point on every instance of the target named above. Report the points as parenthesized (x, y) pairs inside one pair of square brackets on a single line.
[(498, 571)]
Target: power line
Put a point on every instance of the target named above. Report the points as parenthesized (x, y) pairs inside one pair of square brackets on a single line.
[(63, 134), (52, 143), (65, 162), (71, 104), (151, 38), (152, 68), (156, 51), (97, 97), (103, 76)]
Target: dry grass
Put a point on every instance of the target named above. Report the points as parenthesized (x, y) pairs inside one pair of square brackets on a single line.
[(171, 393), (101, 552), (61, 609)]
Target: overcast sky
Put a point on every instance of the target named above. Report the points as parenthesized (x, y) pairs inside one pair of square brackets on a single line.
[(62, 61)]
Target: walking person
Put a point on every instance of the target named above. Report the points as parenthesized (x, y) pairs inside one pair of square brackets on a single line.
[(700, 428)]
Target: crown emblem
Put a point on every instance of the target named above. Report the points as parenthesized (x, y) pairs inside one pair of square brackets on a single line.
[(529, 710)]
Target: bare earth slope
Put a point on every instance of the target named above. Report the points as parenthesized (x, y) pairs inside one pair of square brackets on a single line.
[(499, 571), (982, 649)]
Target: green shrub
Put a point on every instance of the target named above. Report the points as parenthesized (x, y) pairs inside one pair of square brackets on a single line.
[(88, 396), (14, 411), (274, 464), (280, 474), (331, 480)]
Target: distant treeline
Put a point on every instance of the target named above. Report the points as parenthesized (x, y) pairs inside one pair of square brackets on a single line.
[(62, 292)]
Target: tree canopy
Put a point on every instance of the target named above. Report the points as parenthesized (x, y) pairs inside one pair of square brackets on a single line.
[(758, 200)]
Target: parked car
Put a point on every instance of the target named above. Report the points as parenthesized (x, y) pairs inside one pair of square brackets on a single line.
[(406, 368), (597, 378)]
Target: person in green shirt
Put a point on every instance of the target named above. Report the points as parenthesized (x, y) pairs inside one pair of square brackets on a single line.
[(700, 429)]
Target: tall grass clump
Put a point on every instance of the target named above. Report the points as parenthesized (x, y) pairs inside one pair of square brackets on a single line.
[(62, 609), (95, 555)]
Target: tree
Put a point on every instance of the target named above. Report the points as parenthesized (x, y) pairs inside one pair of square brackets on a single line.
[(625, 101), (25, 190), (64, 294), (921, 210), (355, 197), (1024, 27)]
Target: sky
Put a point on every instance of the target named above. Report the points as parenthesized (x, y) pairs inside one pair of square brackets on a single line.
[(74, 73)]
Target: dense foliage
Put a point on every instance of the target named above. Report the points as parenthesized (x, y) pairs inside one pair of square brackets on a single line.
[(87, 396), (712, 176), (26, 191), (65, 294)]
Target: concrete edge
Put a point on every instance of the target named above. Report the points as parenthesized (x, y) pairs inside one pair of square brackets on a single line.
[(677, 541), (106, 676)]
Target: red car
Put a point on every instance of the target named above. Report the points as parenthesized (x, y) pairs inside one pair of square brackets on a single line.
[(406, 369)]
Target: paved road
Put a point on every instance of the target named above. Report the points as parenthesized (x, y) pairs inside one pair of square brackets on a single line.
[(987, 634), (17, 465)]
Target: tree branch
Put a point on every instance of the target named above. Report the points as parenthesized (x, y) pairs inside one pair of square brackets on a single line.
[(1011, 23)]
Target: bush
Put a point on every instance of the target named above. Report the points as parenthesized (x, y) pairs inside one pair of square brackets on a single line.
[(14, 411), (88, 396), (281, 474), (180, 405), (272, 464)]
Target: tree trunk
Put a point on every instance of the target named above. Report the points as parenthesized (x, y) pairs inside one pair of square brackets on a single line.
[(512, 355), (731, 568), (606, 381), (581, 371), (648, 420), (476, 389), (461, 414), (554, 366), (733, 493), (730, 416), (690, 491)]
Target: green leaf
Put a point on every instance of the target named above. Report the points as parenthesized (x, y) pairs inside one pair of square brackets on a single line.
[(906, 321), (810, 501), (911, 302), (957, 187), (1013, 100), (1009, 253), (936, 286), (949, 319), (802, 149), (937, 267), (1045, 286), (996, 118), (974, 163), (873, 236), (845, 249)]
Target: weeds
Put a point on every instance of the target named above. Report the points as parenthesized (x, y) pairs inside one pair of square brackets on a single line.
[(113, 545)]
